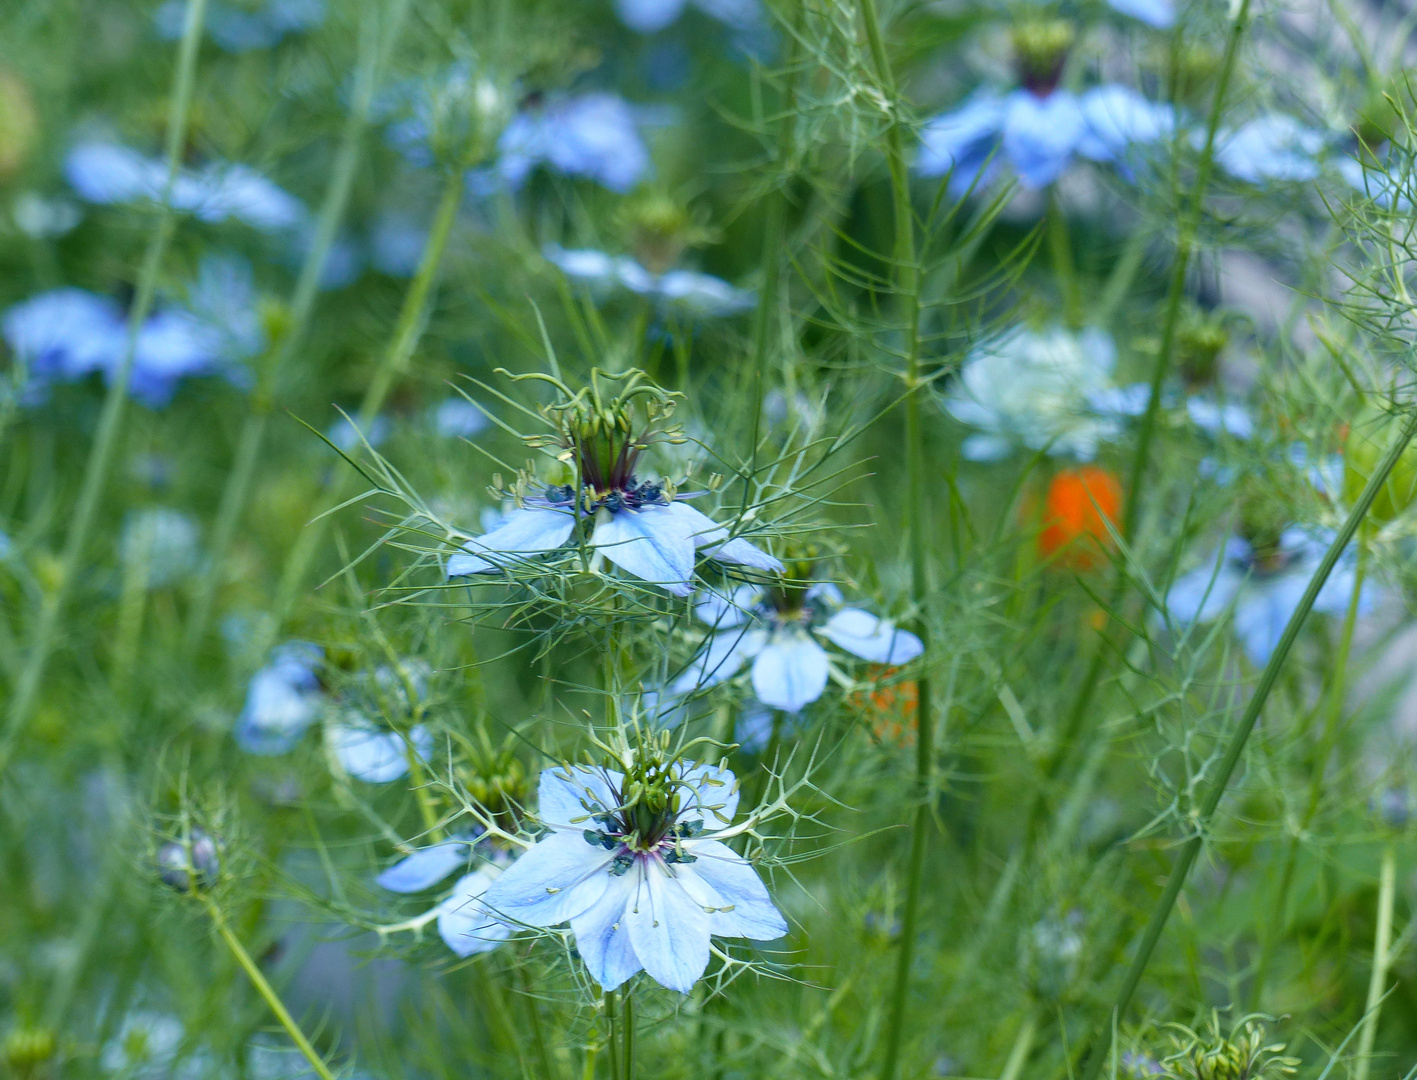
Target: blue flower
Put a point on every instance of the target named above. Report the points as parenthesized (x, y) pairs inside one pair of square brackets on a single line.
[(1214, 418), (1265, 588), (1036, 135), (781, 630), (1271, 147), (109, 173), (644, 886), (371, 751), (1037, 389), (695, 293), (63, 335), (593, 135), (643, 526), (282, 700), (459, 418), (163, 541), (464, 922), (240, 29), (1375, 181), (1160, 14), (651, 16), (396, 243)]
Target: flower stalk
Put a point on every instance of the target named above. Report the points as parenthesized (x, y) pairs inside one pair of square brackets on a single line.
[(46, 630), (1382, 947), (253, 431), (907, 275), (1161, 913), (264, 988)]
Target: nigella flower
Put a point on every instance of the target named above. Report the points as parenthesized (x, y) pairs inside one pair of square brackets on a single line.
[(1377, 181), (593, 135), (651, 16), (781, 629), (1265, 583), (162, 541), (107, 173), (637, 865), (282, 700), (458, 418), (641, 525), (1216, 418), (1036, 389), (464, 922), (1272, 147), (241, 28), (63, 335), (1037, 133), (370, 750), (694, 292), (1160, 14)]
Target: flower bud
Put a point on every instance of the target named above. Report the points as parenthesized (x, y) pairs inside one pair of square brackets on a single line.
[(27, 1049), (1041, 46), (189, 865), (1368, 440)]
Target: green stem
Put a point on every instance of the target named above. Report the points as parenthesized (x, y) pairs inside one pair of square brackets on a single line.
[(907, 275), (1060, 246), (272, 999), (413, 317), (612, 1048), (1206, 810), (132, 607), (302, 304), (1382, 945), (1023, 1043), (1131, 512), (111, 419), (627, 1033), (538, 1036), (1274, 925)]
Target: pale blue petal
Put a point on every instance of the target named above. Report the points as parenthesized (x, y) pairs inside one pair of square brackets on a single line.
[(1040, 134), (464, 923), (568, 795), (709, 792), (648, 17), (734, 884), (1272, 147), (960, 143), (1117, 118), (1160, 14), (603, 935), (557, 879), (985, 447), (424, 868), (1205, 592), (1214, 418), (653, 544), (670, 932), (743, 553), (727, 652), (870, 638), (710, 536), (377, 757), (721, 612), (790, 673), (1264, 611), (704, 294), (524, 531), (583, 265)]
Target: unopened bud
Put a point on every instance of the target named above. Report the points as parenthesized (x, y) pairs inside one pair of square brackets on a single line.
[(189, 865)]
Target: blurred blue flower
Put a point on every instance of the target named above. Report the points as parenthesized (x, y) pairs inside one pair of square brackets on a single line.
[(651, 16), (107, 173), (243, 28), (376, 755), (349, 438), (1160, 14), (459, 418), (162, 541), (1376, 182), (396, 243), (696, 294), (1213, 418), (1271, 147), (1037, 136), (594, 135), (63, 335), (282, 700), (1265, 588), (779, 630), (637, 899), (1036, 389)]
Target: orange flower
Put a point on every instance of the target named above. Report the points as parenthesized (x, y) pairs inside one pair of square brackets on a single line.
[(1078, 504), (888, 707)]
